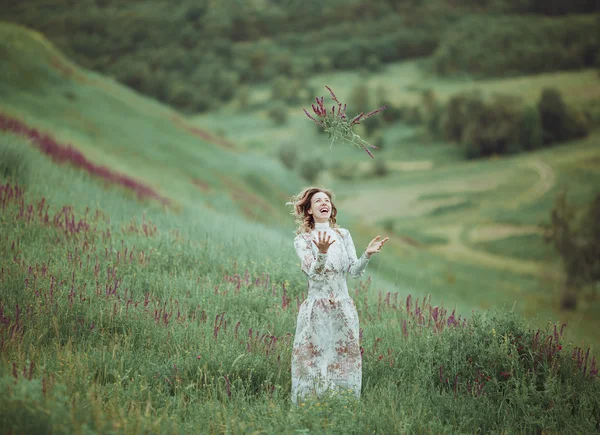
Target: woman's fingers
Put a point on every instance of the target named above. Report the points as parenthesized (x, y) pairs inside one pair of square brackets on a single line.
[(324, 240), (376, 244), (383, 242)]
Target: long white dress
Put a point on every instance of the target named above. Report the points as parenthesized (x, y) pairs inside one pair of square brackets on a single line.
[(326, 352)]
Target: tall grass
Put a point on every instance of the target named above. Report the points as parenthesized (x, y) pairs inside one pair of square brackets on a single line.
[(119, 318)]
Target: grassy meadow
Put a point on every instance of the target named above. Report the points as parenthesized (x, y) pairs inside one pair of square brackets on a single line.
[(149, 284), (456, 223)]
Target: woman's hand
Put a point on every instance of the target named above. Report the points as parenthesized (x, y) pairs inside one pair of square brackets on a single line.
[(323, 244), (376, 245)]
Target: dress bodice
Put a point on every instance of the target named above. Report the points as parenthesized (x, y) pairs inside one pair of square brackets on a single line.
[(329, 270)]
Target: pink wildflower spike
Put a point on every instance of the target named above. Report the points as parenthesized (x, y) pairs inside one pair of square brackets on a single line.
[(320, 102), (313, 119), (357, 118), (368, 152), (334, 98), (381, 109), (316, 110), (333, 110)]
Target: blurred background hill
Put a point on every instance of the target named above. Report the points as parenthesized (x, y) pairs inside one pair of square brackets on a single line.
[(196, 55)]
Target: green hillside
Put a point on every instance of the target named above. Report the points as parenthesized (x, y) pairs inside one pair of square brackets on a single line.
[(149, 284), (132, 134)]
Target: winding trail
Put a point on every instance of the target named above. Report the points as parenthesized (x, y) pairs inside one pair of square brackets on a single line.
[(547, 179), (408, 202), (458, 251)]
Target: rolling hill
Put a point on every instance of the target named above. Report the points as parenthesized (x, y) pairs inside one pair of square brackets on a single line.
[(149, 285), (128, 133)]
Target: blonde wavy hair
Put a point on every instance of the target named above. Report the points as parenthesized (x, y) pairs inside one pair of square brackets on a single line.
[(301, 204)]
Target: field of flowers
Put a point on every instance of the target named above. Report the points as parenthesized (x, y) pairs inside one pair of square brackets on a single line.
[(133, 323), (142, 292)]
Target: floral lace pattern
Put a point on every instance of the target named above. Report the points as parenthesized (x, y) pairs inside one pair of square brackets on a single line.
[(326, 352)]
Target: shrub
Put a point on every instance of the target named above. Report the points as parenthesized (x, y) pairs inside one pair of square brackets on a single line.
[(288, 90), (359, 98), (280, 89), (288, 155), (378, 140), (373, 124), (432, 112), (553, 113), (344, 170), (493, 46), (559, 122), (344, 54), (201, 102), (413, 115), (393, 112), (278, 113), (531, 133), (578, 124), (457, 114), (224, 85), (576, 238), (134, 75), (323, 64), (14, 159), (388, 225), (502, 124), (373, 63), (310, 169), (492, 128), (283, 64), (243, 98), (182, 96), (379, 168)]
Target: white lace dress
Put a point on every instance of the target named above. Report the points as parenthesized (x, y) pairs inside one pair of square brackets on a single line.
[(326, 351)]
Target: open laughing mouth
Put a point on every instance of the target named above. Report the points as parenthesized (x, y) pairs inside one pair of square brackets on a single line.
[(324, 209)]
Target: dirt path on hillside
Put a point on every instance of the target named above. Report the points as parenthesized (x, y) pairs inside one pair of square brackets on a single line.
[(546, 181), (458, 251), (419, 165), (403, 202), (487, 233)]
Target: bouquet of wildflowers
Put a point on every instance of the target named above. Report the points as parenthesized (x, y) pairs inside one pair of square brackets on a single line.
[(337, 125)]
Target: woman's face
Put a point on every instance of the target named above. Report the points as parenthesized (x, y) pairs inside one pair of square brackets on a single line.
[(320, 207)]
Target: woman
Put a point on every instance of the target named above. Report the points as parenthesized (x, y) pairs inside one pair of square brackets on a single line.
[(326, 351)]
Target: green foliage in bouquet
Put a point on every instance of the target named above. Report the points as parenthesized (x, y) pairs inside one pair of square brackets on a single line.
[(336, 123)]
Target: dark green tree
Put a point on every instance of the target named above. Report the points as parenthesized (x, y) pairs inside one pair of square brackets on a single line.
[(576, 238)]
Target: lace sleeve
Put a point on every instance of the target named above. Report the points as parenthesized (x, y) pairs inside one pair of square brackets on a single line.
[(312, 265), (356, 266)]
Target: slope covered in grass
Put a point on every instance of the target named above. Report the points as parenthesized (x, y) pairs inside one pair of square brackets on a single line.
[(124, 319), (121, 314), (131, 134)]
